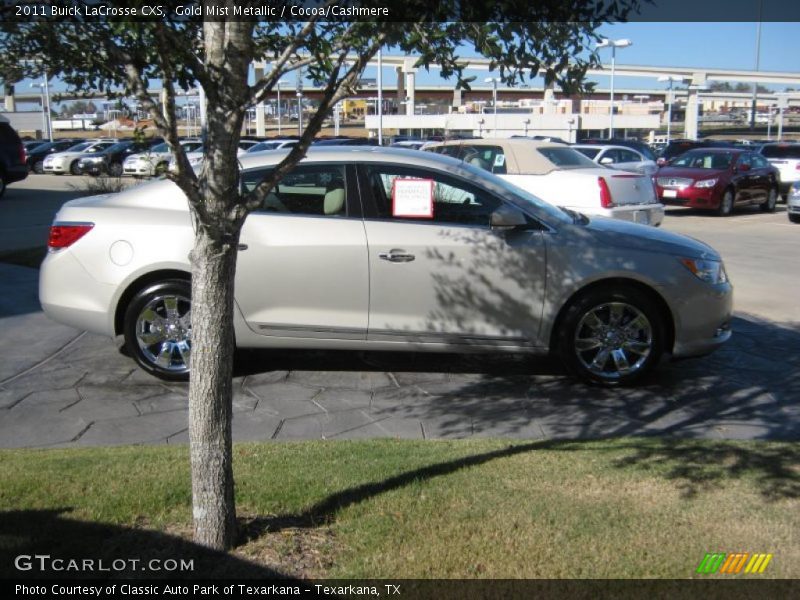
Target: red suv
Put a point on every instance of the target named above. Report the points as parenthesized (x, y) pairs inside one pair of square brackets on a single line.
[(719, 179)]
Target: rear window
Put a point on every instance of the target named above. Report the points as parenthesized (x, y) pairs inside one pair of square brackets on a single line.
[(787, 151), (566, 158)]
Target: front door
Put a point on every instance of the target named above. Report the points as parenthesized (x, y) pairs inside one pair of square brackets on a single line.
[(439, 274)]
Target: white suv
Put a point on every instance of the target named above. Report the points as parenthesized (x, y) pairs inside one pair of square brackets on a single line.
[(784, 156)]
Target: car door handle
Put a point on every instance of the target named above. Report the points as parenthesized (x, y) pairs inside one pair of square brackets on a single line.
[(396, 255)]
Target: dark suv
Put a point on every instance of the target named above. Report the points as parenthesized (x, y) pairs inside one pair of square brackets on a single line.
[(12, 157), (677, 147)]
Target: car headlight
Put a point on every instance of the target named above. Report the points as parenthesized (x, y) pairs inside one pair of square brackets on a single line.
[(705, 183), (710, 271)]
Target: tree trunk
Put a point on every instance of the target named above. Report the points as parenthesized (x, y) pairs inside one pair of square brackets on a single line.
[(210, 391)]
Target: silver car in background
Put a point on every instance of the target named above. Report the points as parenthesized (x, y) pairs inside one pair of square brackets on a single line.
[(618, 157), (365, 248)]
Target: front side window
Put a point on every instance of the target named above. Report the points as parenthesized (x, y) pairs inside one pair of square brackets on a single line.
[(420, 195), (317, 190)]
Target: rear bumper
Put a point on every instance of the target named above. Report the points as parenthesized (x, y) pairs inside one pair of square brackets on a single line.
[(646, 214), (15, 173)]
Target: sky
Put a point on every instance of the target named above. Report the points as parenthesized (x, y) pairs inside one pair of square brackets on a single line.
[(730, 45)]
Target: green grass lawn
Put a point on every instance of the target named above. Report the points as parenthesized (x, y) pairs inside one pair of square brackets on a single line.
[(385, 508)]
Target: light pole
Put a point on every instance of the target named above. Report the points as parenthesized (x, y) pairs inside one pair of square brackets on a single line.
[(279, 82), (46, 118), (670, 99), (613, 44), (380, 97), (493, 81)]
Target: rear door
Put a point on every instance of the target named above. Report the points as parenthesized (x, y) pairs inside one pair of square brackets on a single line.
[(438, 273), (302, 267)]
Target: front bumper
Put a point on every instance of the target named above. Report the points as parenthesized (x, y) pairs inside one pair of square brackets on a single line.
[(705, 315), (691, 196), (56, 167), (137, 169)]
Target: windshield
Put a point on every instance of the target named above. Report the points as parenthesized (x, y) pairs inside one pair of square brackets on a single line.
[(116, 147), (192, 146), (786, 151), (716, 161), (79, 147), (566, 158), (588, 152), (264, 146)]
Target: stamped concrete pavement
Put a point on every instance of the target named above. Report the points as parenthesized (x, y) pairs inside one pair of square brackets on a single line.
[(62, 387)]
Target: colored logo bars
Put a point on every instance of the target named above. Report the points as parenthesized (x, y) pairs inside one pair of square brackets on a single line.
[(732, 564)]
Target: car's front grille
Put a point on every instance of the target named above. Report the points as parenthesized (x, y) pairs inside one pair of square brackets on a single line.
[(674, 182)]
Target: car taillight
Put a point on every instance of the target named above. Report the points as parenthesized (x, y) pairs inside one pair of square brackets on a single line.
[(23, 158), (605, 194), (63, 235)]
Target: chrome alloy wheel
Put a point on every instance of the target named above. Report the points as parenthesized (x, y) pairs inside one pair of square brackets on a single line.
[(164, 332), (613, 340)]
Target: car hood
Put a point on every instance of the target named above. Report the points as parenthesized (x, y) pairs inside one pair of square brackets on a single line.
[(689, 173), (624, 234), (66, 154)]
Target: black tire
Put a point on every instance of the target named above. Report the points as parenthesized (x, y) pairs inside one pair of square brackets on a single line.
[(38, 167), (75, 168), (147, 320), (160, 168), (115, 169), (771, 202), (726, 204), (2, 185), (637, 339), (794, 218)]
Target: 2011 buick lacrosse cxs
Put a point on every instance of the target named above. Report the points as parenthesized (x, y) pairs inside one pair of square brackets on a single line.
[(382, 249)]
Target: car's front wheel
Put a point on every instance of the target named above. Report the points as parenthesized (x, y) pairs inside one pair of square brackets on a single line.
[(772, 200), (611, 336), (75, 168), (115, 169), (158, 329), (726, 204)]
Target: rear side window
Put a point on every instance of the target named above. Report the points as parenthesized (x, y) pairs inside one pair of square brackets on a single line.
[(318, 190), (489, 158), (787, 151)]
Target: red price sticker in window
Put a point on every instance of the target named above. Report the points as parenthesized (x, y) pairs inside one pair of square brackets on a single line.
[(412, 198)]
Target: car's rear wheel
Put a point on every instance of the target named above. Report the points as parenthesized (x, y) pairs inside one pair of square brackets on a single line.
[(611, 336), (2, 185), (794, 218), (38, 167), (772, 200), (726, 204), (158, 329)]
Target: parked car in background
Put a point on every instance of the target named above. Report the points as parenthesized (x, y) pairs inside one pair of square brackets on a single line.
[(786, 158), (37, 155), (196, 156), (392, 250), (275, 144), (793, 203), (640, 147), (13, 166), (66, 161), (562, 176), (346, 141), (677, 147), (618, 157), (409, 144), (719, 179), (156, 160), (111, 159)]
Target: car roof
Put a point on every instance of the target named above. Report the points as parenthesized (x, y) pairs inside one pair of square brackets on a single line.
[(604, 147), (523, 150)]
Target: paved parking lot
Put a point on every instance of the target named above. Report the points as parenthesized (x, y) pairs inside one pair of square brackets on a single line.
[(62, 387)]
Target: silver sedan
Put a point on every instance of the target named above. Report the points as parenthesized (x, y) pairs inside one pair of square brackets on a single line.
[(384, 249)]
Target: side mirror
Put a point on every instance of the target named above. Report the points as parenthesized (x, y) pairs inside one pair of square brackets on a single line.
[(607, 161), (744, 168), (661, 162), (507, 217)]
